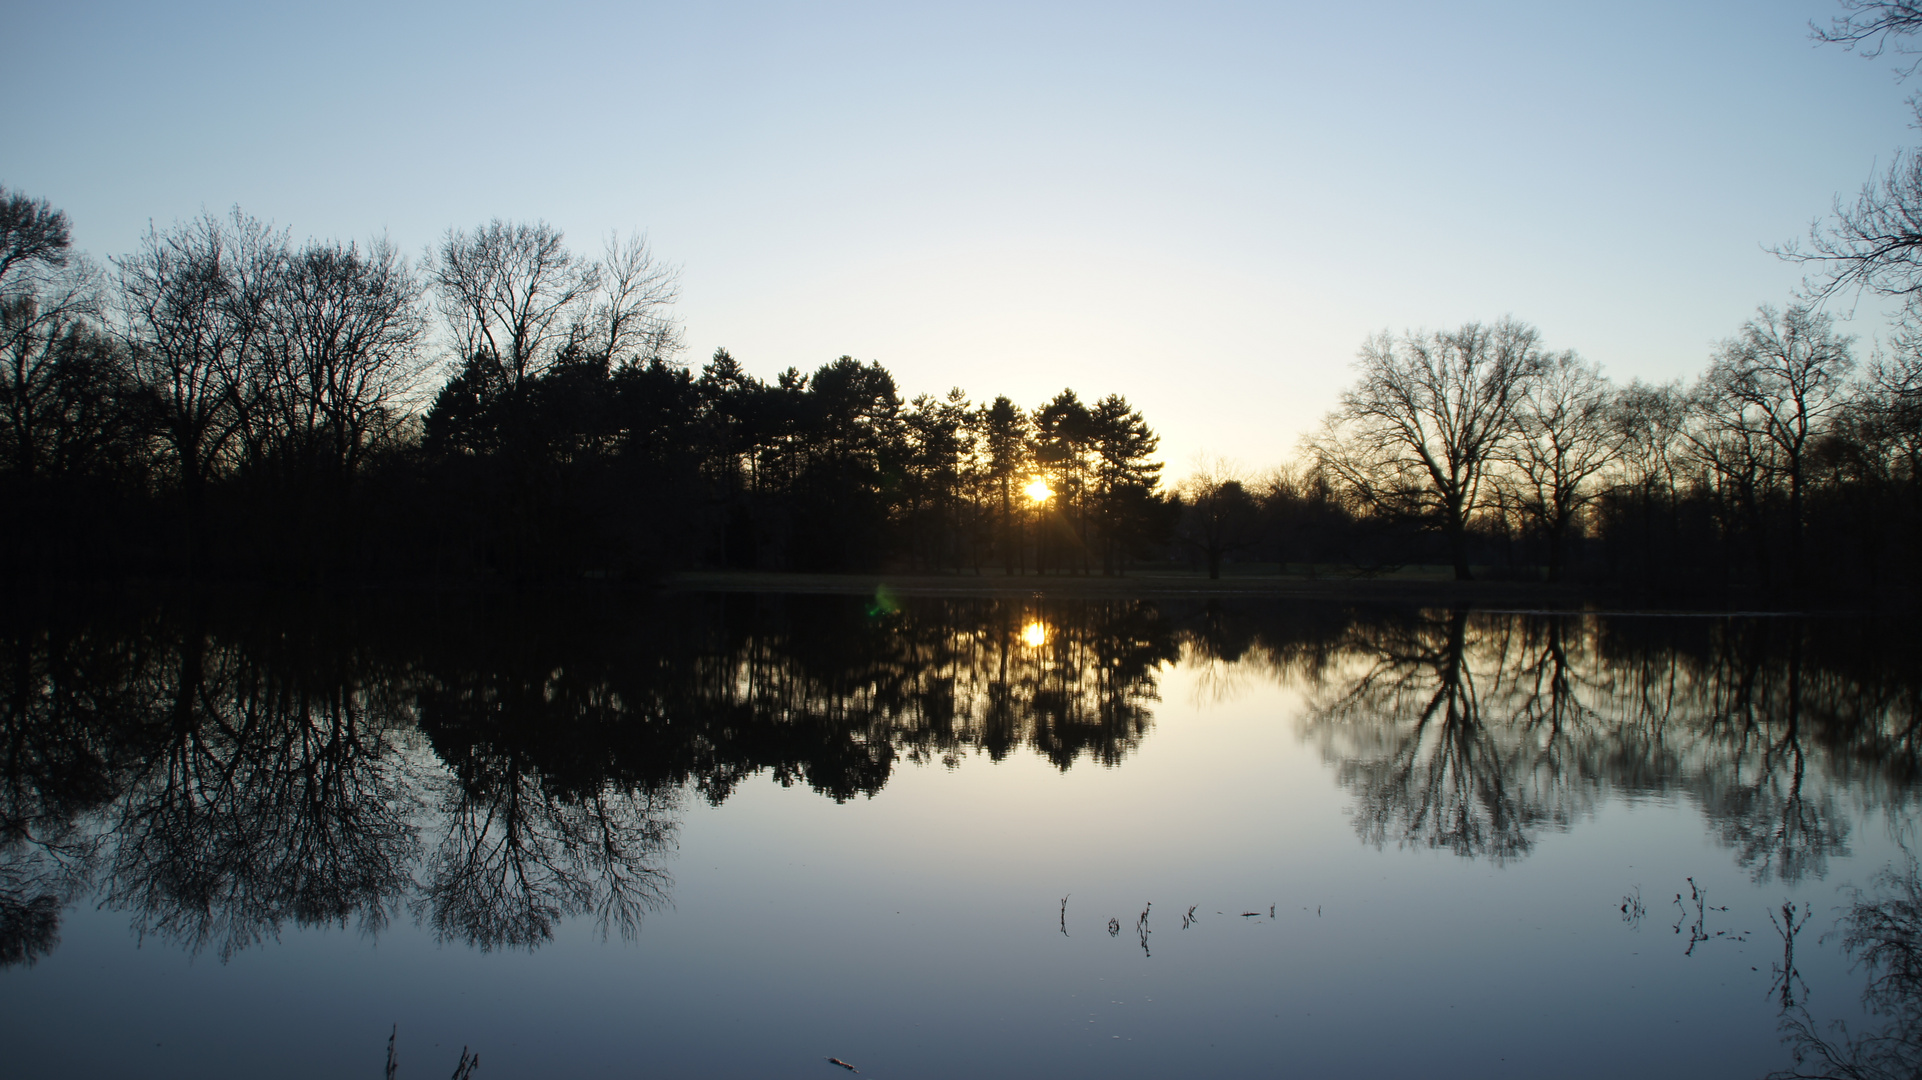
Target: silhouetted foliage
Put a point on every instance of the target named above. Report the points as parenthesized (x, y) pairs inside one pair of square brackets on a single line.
[(252, 407), (228, 403)]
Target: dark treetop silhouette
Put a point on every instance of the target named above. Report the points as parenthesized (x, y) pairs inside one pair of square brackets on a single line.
[(227, 403)]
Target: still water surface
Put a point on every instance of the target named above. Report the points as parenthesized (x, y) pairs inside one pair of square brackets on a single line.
[(737, 835)]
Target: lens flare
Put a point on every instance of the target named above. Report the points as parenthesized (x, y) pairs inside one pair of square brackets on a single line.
[(1035, 634)]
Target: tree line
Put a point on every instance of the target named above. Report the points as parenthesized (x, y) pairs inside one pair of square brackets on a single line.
[(1790, 466), (227, 401), (1786, 466)]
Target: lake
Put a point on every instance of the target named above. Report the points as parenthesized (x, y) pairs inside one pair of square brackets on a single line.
[(739, 835)]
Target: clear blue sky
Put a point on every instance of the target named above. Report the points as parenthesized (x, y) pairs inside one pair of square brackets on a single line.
[(1205, 207)]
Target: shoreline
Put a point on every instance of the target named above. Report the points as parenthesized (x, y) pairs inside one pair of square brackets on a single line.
[(1516, 596), (1511, 596), (1142, 585)]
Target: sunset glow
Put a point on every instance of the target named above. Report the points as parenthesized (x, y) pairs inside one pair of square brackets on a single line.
[(1038, 490)]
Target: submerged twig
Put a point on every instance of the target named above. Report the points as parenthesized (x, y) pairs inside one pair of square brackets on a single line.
[(1632, 909)]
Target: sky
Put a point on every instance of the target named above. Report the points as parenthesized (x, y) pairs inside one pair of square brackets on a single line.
[(1203, 207)]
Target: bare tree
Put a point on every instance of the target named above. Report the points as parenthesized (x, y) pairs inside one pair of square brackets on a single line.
[(1873, 243), (46, 297), (1870, 26), (511, 293), (58, 373), (191, 303), (1881, 437), (1894, 405), (629, 320), (1649, 421), (1768, 393), (1564, 440), (34, 239), (1876, 241), (1429, 414), (343, 330)]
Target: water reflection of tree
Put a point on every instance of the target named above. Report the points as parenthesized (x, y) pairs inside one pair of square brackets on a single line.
[(1472, 732), (62, 693), (1763, 723), (265, 793), (833, 684), (590, 735), (497, 766), (1763, 800), (1882, 933), (516, 857), (223, 773), (1459, 732), (539, 822)]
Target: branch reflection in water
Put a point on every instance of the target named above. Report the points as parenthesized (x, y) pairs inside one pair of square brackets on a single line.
[(1475, 732), (1881, 931), (492, 767), (220, 772)]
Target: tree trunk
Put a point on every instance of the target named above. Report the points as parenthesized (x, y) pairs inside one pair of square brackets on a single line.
[(1458, 542), (1795, 528)]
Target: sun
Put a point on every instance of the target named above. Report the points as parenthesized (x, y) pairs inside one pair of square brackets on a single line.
[(1035, 634), (1038, 490)]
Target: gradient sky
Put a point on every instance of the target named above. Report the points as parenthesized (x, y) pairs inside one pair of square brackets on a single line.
[(1205, 207)]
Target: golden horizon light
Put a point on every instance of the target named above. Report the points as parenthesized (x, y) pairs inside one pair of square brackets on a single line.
[(1035, 634), (1038, 490)]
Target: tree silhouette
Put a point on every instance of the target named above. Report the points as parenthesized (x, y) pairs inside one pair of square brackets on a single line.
[(1427, 419)]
